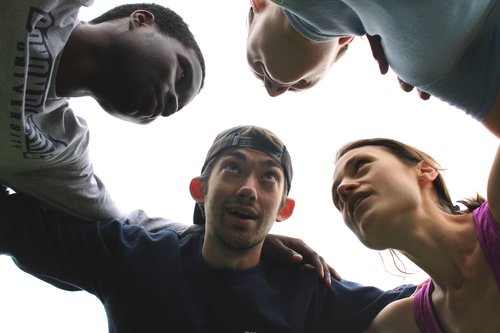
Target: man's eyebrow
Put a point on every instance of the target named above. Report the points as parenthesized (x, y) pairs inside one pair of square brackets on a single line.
[(270, 162), (235, 154)]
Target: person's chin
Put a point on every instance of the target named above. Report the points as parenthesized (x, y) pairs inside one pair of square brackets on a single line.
[(130, 116), (138, 120)]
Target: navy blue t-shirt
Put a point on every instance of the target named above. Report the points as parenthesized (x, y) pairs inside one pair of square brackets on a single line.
[(159, 282)]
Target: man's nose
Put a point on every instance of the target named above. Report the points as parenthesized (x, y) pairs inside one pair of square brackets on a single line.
[(171, 102), (248, 189)]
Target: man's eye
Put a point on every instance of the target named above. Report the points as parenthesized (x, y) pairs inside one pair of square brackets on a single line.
[(231, 166), (181, 77), (271, 176)]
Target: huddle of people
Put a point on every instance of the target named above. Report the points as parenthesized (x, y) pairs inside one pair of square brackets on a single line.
[(226, 272)]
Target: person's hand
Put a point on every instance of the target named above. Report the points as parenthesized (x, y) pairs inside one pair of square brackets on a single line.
[(379, 55), (378, 52), (295, 250), (408, 87)]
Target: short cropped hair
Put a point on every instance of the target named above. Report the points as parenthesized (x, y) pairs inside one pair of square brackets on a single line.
[(167, 21)]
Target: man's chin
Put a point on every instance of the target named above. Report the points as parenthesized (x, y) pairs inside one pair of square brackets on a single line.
[(140, 121), (131, 117)]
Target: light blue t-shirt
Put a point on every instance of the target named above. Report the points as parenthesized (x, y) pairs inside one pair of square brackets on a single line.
[(448, 48)]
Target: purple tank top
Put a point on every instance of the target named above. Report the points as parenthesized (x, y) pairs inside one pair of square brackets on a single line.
[(488, 235)]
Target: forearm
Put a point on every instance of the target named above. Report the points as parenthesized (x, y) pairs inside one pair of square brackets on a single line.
[(15, 210), (494, 188), (153, 224)]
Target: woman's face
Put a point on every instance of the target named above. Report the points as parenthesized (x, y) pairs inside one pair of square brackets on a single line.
[(376, 194)]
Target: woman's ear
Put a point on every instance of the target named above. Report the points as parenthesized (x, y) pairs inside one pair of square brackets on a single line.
[(196, 190), (426, 172), (286, 211)]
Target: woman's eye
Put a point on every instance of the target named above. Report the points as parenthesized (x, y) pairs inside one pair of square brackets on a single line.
[(250, 15), (258, 75), (340, 205), (359, 164), (302, 84)]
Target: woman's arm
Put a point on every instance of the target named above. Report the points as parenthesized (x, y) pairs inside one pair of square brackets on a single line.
[(395, 317), (494, 188), (492, 119)]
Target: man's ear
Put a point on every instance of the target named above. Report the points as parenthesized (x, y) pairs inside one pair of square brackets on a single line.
[(196, 190), (345, 40), (427, 173), (286, 211), (141, 17)]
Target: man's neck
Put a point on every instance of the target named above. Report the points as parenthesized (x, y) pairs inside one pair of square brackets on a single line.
[(220, 256)]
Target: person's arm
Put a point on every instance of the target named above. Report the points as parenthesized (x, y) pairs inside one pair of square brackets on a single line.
[(494, 188), (275, 246), (379, 55), (492, 119), (356, 305), (53, 246), (153, 224), (394, 318)]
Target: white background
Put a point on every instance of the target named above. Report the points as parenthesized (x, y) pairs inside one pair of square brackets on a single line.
[(150, 166)]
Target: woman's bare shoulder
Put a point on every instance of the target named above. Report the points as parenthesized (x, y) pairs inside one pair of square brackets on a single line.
[(395, 317)]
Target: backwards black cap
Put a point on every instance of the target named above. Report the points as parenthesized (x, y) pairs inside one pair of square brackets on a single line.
[(251, 137)]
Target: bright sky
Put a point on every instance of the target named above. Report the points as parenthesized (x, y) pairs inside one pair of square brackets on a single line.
[(150, 166)]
